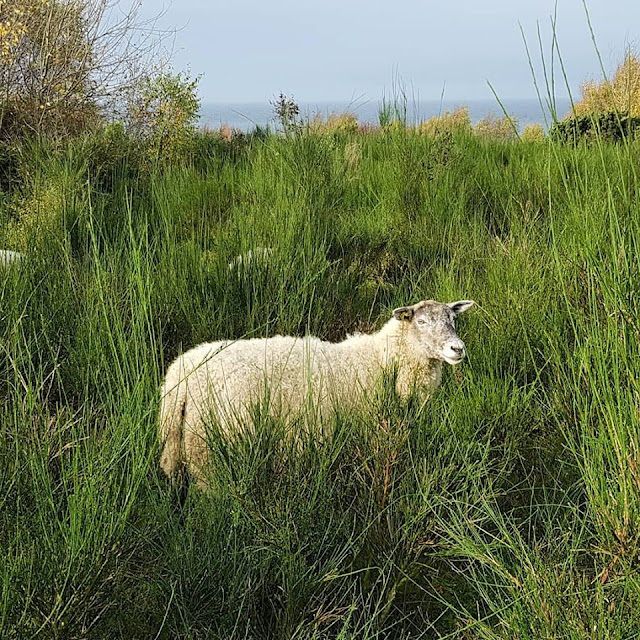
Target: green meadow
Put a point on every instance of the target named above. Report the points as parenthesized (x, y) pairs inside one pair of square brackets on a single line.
[(508, 506)]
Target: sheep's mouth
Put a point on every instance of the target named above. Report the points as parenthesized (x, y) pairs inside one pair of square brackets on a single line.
[(456, 360)]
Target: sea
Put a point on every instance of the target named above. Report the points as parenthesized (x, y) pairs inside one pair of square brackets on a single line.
[(247, 115)]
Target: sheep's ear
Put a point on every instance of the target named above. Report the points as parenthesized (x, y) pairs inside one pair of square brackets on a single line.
[(460, 306), (403, 313)]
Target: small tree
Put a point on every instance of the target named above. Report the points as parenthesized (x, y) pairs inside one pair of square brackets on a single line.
[(162, 112), (62, 61), (287, 112)]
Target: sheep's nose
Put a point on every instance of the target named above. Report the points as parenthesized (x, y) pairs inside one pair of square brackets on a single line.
[(456, 350)]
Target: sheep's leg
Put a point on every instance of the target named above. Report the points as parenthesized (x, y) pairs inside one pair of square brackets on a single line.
[(172, 414)]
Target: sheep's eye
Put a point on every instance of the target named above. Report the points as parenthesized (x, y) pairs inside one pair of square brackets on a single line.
[(421, 322)]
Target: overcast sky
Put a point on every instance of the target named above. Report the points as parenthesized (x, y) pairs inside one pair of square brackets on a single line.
[(338, 50)]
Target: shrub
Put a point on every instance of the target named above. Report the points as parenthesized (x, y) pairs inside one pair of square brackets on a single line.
[(335, 123), (621, 94), (37, 219), (62, 62), (533, 133), (492, 127), (162, 113), (45, 67), (287, 112), (111, 155), (610, 126), (609, 110), (449, 122)]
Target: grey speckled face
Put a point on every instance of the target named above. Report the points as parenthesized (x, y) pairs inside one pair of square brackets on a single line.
[(433, 327)]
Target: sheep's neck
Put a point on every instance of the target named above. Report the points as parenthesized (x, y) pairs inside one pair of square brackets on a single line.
[(412, 372)]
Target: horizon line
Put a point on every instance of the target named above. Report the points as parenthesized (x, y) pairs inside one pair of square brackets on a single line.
[(364, 102)]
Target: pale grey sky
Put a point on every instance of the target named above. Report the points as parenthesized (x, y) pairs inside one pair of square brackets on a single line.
[(338, 50)]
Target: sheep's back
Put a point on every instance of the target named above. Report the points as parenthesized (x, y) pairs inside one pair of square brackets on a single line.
[(286, 371)]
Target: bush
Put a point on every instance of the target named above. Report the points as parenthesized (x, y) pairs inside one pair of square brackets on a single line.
[(621, 94), (46, 61), (334, 123), (533, 133), (287, 113), (449, 122), (65, 62), (492, 127), (162, 113), (610, 126)]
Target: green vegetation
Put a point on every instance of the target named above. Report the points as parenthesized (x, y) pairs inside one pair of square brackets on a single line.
[(612, 126), (609, 109), (507, 507)]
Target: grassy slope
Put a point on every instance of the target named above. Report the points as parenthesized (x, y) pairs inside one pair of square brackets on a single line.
[(506, 508)]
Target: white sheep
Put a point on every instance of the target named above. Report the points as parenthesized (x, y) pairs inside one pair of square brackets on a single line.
[(221, 381), (7, 258), (259, 255)]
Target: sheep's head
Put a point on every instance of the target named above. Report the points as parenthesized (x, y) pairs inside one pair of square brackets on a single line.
[(431, 331)]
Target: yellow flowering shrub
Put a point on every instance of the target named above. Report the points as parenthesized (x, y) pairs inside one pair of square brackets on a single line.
[(621, 93), (492, 127), (455, 121), (533, 133), (14, 18)]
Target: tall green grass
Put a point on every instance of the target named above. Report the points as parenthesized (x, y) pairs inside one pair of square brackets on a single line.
[(506, 507)]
